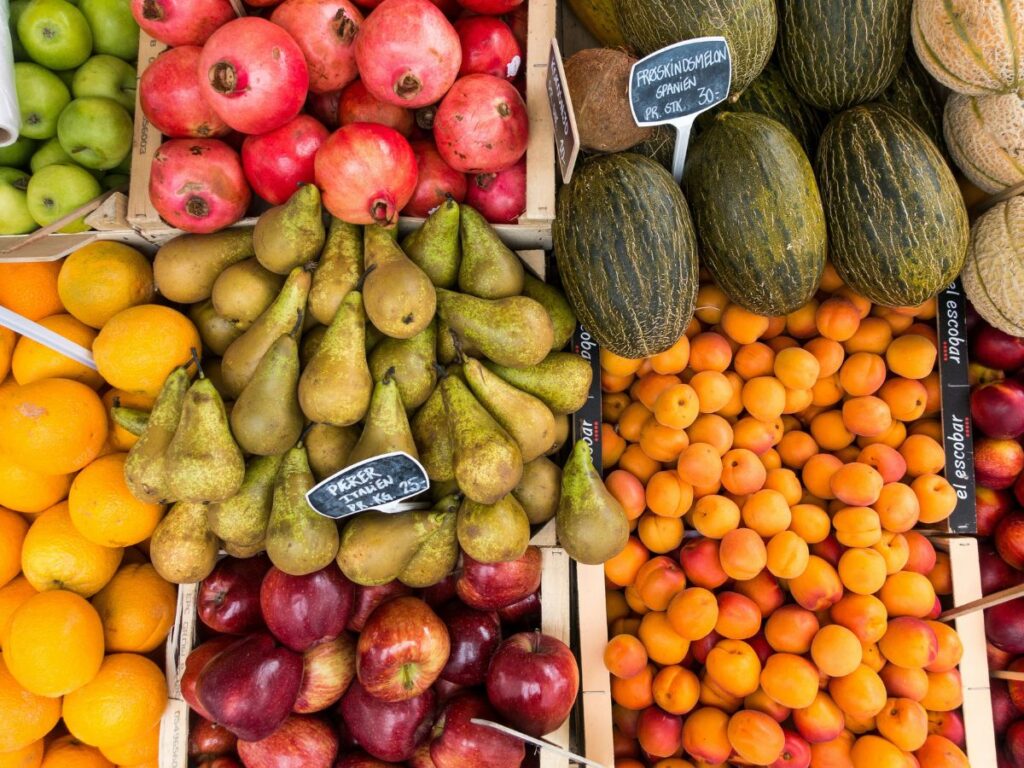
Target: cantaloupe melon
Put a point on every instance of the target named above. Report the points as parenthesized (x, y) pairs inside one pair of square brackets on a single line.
[(994, 273), (985, 137), (975, 47)]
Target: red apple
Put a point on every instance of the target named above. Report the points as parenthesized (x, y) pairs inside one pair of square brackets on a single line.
[(360, 759), (659, 733), (206, 739), (229, 598), (421, 757), (996, 573), (1004, 711), (194, 664), (1018, 489), (366, 599), (990, 506), (327, 671), (1004, 625), (533, 681), (796, 752), (489, 586), (438, 594), (998, 408), (402, 649), (387, 730), (446, 691), (997, 349), (523, 615), (459, 743), (997, 462), (474, 636), (302, 611), (300, 742), (251, 686), (1015, 744), (1009, 539)]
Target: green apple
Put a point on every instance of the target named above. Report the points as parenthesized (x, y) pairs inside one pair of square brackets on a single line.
[(57, 190), (41, 99), (114, 30), (49, 153), (107, 76), (14, 216), (55, 34), (114, 180), (16, 155), (17, 7), (67, 76), (96, 132)]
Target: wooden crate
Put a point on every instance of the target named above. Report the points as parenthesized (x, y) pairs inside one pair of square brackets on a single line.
[(533, 229)]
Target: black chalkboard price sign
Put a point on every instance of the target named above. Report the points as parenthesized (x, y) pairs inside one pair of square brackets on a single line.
[(674, 85), (567, 135), (379, 483)]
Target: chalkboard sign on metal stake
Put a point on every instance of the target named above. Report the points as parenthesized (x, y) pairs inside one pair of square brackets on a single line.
[(674, 85), (567, 135), (380, 483)]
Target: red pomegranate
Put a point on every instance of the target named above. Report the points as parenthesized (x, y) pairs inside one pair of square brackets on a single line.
[(367, 173), (253, 75), (276, 163), (448, 7), (324, 107), (408, 53), (358, 105), (198, 185), (488, 47), (325, 31), (499, 197), (482, 125), (181, 22), (518, 22), (170, 97), (492, 7), (437, 180)]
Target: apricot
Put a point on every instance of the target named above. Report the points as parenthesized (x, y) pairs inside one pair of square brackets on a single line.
[(886, 460), (636, 461), (714, 516), (894, 550), (908, 594), (911, 356), (940, 752), (872, 751), (756, 737), (945, 692), (663, 645), (660, 534), (764, 590), (950, 648), (699, 464), (787, 555), (862, 374), (625, 656), (817, 474), (742, 471), (710, 352), (921, 553), (706, 736), (714, 391), (713, 695), (856, 484), (754, 435), (700, 561), (742, 553), (873, 335), (796, 368), (658, 581), (739, 617), (693, 613), (743, 326), (906, 398), (904, 722), (810, 522), (818, 587), (860, 694), (622, 569), (734, 666), (612, 446), (864, 615), (668, 496), (660, 443), (766, 512), (834, 753), (676, 690), (762, 702), (659, 733), (901, 682), (753, 360), (857, 526), (764, 397), (936, 496), (634, 601), (862, 571), (830, 432), (871, 656), (791, 629), (859, 725), (673, 359), (785, 482), (790, 680), (923, 454), (837, 318), (711, 300), (836, 650), (632, 420), (713, 429), (634, 692), (619, 366), (801, 323), (820, 721), (909, 642), (677, 406), (941, 576), (734, 407), (898, 507), (949, 725)]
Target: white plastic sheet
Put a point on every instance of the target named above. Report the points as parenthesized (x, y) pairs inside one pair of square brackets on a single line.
[(10, 116)]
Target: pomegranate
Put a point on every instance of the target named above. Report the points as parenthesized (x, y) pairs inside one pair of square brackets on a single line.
[(325, 31), (518, 22), (367, 173), (448, 7), (181, 22), (488, 47), (198, 185), (408, 53), (324, 107), (358, 105), (482, 125), (437, 181), (276, 163), (170, 97), (492, 7), (499, 197), (253, 75)]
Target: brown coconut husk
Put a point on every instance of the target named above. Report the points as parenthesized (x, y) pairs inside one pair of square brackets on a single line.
[(598, 80)]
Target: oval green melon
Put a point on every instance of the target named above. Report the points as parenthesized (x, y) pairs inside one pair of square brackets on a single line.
[(994, 274), (913, 93), (838, 53), (897, 224), (974, 47), (748, 25), (626, 253), (598, 16), (985, 136), (757, 211)]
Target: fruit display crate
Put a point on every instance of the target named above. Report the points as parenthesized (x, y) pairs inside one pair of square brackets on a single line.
[(533, 229)]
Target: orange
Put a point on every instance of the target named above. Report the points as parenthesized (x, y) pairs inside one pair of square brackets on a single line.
[(54, 426), (30, 289), (137, 609), (103, 278), (68, 752), (140, 346), (16, 592), (103, 509), (137, 751), (26, 717), (33, 361), (12, 533), (26, 757), (123, 701), (56, 556), (55, 643), (25, 490), (8, 339)]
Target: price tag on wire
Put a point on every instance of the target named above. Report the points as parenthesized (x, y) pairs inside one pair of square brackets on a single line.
[(381, 483)]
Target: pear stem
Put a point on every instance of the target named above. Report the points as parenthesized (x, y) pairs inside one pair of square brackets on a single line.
[(199, 365), (362, 278)]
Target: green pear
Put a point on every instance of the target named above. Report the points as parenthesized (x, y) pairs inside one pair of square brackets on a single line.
[(186, 267), (266, 418), (310, 343), (399, 297), (435, 247), (540, 489), (218, 333), (145, 468), (433, 438), (339, 270), (329, 447), (183, 549), (562, 380), (377, 547), (493, 533), (291, 234), (413, 364), (489, 270), (563, 319), (386, 428), (515, 331), (242, 519), (592, 526), (563, 426), (243, 291), (439, 553)]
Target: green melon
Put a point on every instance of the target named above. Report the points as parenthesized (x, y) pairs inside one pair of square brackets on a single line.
[(748, 25), (897, 223), (626, 253), (838, 53), (985, 136), (994, 273), (913, 93), (598, 16)]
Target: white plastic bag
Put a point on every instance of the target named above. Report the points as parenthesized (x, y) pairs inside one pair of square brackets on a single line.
[(10, 115)]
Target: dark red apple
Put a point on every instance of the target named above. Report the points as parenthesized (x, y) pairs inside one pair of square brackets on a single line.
[(489, 586), (459, 743), (1004, 625), (250, 687), (997, 349), (360, 759), (446, 690), (302, 611), (998, 408), (194, 664), (1004, 711), (421, 757), (1009, 539), (990, 506), (533, 681), (300, 742), (796, 752), (366, 599), (438, 594), (997, 462), (402, 649), (328, 669), (996, 573), (523, 615), (206, 739), (387, 730), (229, 598), (474, 636), (1014, 745)]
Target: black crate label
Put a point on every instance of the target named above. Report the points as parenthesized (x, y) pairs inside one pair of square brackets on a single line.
[(586, 422), (379, 483)]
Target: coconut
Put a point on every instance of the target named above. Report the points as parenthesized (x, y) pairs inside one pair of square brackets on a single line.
[(598, 80)]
